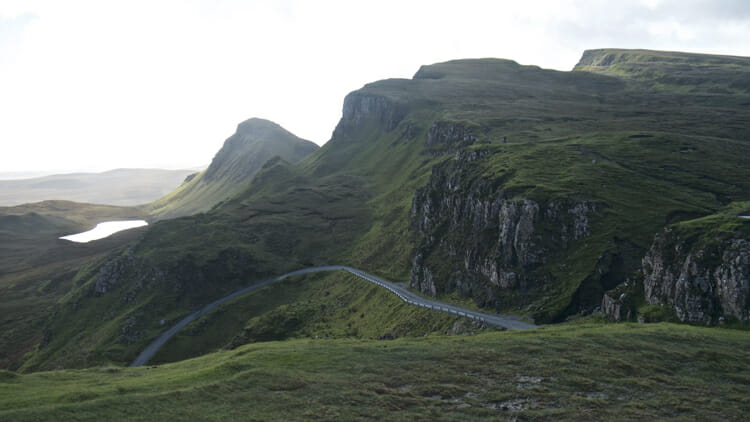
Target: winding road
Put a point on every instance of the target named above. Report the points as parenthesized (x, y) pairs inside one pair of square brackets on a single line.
[(400, 290)]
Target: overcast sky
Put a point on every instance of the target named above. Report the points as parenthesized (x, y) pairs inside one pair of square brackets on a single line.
[(96, 85)]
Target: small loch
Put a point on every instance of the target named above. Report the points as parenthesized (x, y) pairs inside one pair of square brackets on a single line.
[(103, 230)]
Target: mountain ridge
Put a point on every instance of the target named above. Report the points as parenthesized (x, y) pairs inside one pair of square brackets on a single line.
[(234, 165)]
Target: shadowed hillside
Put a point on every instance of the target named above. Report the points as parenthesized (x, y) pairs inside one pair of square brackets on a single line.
[(37, 268)]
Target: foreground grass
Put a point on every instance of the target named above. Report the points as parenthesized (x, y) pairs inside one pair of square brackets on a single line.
[(581, 372)]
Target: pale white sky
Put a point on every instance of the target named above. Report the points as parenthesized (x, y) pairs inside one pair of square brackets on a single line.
[(96, 85)]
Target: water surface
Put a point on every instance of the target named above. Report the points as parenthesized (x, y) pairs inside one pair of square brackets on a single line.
[(104, 229)]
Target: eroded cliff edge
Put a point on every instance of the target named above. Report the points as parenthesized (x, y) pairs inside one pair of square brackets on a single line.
[(698, 271), (476, 237), (703, 283)]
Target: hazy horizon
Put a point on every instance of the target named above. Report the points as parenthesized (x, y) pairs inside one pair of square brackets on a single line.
[(90, 86), (23, 175)]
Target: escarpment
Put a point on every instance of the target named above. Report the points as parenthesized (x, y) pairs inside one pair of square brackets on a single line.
[(476, 237), (361, 108), (243, 155), (702, 282), (450, 135)]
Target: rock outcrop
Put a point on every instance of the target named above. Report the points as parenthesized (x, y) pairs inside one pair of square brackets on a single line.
[(360, 108), (703, 282), (450, 135), (126, 269), (616, 306), (475, 237)]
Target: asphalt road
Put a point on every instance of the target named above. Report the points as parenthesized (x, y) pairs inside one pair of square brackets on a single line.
[(400, 290)]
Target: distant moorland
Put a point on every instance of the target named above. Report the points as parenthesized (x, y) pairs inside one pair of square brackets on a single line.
[(126, 187)]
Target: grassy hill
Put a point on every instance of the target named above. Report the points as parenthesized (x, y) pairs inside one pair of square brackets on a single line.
[(557, 373), (483, 182), (123, 187), (243, 154)]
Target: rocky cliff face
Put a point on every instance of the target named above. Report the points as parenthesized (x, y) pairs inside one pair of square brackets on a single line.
[(449, 135), (620, 303), (473, 236), (615, 306), (362, 107), (703, 283)]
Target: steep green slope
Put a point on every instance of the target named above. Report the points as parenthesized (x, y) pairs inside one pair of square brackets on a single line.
[(563, 373), (184, 263), (243, 154), (511, 187), (37, 268)]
